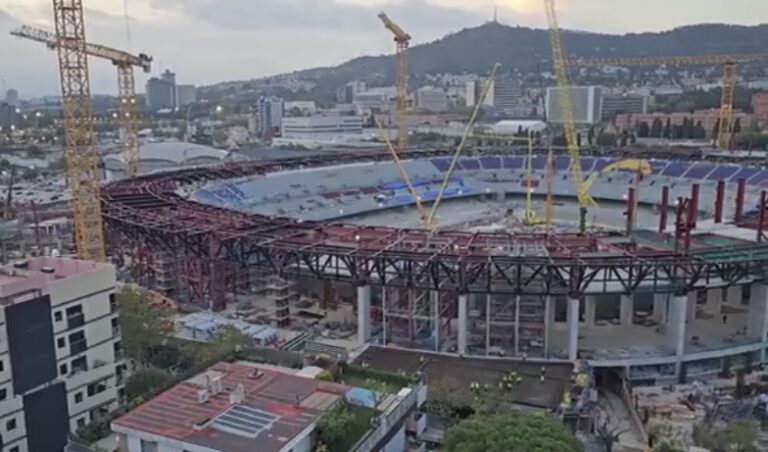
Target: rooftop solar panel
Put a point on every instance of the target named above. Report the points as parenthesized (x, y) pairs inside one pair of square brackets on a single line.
[(245, 421)]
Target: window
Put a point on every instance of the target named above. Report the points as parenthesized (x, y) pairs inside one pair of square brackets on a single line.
[(63, 369), (78, 397), (57, 316), (61, 342), (2, 365), (75, 317), (3, 394), (11, 424), (79, 365), (77, 343), (97, 388), (81, 422), (14, 449)]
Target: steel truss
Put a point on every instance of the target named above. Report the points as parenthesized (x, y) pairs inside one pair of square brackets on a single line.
[(215, 241)]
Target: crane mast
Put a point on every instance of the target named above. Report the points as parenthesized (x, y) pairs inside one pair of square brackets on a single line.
[(128, 115), (566, 106), (402, 41), (79, 152)]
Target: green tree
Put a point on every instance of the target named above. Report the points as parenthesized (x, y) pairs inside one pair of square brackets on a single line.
[(739, 436), (511, 433), (227, 342), (737, 126), (643, 130), (145, 326), (447, 397), (333, 427), (699, 132), (144, 384), (657, 128), (716, 130), (667, 129)]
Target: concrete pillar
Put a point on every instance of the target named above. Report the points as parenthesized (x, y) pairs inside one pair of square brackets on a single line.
[(757, 325), (714, 300), (573, 328), (435, 298), (463, 324), (590, 312), (626, 310), (693, 298), (363, 315), (676, 323), (660, 301), (733, 295), (548, 322)]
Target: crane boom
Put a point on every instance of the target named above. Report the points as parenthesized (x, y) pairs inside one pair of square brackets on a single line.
[(402, 41), (124, 62), (566, 105), (79, 151)]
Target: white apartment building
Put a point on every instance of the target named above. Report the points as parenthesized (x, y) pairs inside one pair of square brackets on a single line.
[(61, 361)]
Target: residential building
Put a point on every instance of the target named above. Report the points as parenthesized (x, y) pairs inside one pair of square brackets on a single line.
[(312, 126), (271, 111), (615, 104), (61, 360), (585, 100), (376, 99), (244, 407), (431, 99), (7, 115), (346, 94), (186, 95), (760, 105), (12, 97), (301, 108)]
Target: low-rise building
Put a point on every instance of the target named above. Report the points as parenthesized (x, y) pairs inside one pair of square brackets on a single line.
[(760, 106), (313, 126), (61, 359), (616, 104), (431, 99), (243, 407), (707, 118)]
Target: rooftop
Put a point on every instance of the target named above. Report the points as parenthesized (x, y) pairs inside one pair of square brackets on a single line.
[(256, 409), (37, 272)]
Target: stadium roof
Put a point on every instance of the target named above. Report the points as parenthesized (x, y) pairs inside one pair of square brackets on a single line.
[(175, 152)]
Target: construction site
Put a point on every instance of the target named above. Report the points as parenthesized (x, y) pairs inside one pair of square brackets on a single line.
[(649, 265)]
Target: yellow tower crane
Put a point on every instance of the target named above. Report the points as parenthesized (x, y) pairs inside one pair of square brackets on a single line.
[(79, 152), (729, 63), (566, 111), (402, 41), (124, 62)]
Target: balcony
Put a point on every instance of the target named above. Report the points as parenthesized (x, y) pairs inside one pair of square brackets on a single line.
[(78, 347), (75, 321)]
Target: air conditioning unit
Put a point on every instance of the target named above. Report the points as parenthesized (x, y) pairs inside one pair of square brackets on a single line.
[(216, 385), (202, 396)]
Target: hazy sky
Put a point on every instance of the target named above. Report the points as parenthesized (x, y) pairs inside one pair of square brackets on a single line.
[(207, 41)]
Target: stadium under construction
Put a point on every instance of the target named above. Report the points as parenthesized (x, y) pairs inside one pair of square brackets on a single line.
[(666, 298)]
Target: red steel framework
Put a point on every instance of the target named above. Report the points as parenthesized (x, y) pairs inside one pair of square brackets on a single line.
[(214, 244)]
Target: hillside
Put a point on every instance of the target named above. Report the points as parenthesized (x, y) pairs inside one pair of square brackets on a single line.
[(477, 49)]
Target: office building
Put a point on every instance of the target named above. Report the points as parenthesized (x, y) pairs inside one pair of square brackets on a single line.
[(346, 93), (244, 407), (186, 95), (616, 104), (314, 126), (271, 112), (61, 361), (504, 94), (7, 115), (431, 99), (161, 92), (586, 102), (12, 97)]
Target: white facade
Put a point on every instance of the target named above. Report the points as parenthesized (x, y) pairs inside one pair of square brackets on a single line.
[(586, 101), (313, 126), (86, 340), (432, 99)]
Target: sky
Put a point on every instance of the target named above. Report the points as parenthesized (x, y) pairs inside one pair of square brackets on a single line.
[(210, 41)]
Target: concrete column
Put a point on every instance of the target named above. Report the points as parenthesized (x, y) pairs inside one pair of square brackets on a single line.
[(714, 300), (363, 315), (435, 298), (548, 322), (517, 325), (660, 301), (573, 328), (693, 298), (733, 295), (626, 310), (463, 324), (590, 312), (676, 323), (757, 325)]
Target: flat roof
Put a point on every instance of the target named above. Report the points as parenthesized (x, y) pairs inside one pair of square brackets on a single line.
[(37, 272), (531, 391), (276, 407)]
